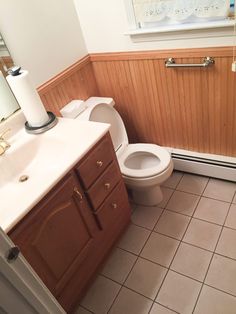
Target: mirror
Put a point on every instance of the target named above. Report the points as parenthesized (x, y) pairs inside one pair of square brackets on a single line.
[(8, 103)]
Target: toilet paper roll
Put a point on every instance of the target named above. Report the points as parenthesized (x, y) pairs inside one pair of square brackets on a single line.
[(8, 103), (28, 99)]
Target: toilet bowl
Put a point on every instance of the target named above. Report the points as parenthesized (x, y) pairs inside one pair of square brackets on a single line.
[(144, 167)]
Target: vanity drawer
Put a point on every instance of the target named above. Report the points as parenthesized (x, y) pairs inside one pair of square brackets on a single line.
[(114, 206), (95, 163), (104, 185)]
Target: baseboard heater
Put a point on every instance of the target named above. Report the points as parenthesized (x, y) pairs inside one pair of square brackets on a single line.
[(217, 166)]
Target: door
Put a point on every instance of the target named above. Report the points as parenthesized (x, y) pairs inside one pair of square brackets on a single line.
[(21, 290)]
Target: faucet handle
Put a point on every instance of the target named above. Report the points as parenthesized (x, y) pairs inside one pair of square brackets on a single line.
[(3, 133)]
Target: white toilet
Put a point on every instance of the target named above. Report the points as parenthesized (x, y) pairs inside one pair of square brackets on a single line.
[(144, 167)]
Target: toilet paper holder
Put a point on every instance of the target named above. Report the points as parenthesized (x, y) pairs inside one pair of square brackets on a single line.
[(38, 119)]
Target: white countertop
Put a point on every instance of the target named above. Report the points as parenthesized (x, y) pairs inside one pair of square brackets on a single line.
[(72, 138)]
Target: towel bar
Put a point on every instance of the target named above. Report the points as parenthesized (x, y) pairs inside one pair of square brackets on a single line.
[(207, 61)]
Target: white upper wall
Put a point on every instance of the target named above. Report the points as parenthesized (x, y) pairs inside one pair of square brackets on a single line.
[(43, 36), (104, 23), (46, 36)]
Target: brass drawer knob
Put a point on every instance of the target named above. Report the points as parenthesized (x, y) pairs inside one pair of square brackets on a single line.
[(107, 186), (99, 163), (78, 194), (114, 205)]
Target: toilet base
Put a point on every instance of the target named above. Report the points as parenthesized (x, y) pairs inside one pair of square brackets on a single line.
[(148, 197)]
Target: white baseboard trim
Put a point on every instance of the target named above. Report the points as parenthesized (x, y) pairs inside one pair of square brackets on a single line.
[(216, 166)]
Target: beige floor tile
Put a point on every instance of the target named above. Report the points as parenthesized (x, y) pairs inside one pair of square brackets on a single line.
[(173, 180), (220, 190), (202, 234), (227, 243), (212, 210), (160, 249), (101, 295), (212, 301), (172, 224), (179, 293), (231, 218), (166, 196), (81, 310), (192, 184), (119, 265), (159, 309), (222, 274), (134, 239), (146, 278), (191, 261), (129, 302), (146, 216), (183, 203)]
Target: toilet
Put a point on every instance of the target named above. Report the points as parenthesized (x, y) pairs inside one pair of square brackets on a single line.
[(144, 167)]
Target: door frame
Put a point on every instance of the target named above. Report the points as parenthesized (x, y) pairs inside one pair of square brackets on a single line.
[(24, 280)]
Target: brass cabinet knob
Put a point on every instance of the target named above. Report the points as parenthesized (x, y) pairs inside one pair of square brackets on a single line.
[(78, 194), (107, 186), (99, 163), (114, 205)]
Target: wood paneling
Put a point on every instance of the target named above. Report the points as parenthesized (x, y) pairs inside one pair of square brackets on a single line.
[(187, 108), (76, 82), (193, 109)]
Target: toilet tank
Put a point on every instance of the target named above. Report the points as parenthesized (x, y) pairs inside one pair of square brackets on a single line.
[(100, 109)]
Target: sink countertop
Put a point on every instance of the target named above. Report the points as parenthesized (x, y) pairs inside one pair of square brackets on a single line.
[(76, 139)]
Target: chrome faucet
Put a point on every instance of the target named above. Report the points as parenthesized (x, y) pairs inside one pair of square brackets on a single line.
[(4, 145)]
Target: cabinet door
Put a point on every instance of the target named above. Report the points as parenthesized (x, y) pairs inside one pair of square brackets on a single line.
[(57, 234)]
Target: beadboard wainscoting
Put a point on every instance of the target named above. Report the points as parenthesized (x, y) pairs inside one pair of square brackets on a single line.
[(186, 108), (76, 82)]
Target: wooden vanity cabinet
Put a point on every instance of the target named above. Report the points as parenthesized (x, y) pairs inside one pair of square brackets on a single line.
[(67, 235), (55, 237)]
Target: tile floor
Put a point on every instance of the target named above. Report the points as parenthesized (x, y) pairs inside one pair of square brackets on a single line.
[(178, 257)]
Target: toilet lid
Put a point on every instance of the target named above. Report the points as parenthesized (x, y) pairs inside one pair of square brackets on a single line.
[(144, 160), (107, 114)]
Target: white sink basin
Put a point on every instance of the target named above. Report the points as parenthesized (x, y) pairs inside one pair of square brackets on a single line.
[(30, 156), (44, 159)]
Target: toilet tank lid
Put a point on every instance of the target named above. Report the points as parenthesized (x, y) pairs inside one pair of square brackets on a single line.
[(92, 101)]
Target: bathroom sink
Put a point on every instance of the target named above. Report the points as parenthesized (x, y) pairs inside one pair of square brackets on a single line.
[(34, 164), (29, 157)]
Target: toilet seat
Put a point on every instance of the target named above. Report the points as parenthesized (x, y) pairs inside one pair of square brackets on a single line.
[(148, 160)]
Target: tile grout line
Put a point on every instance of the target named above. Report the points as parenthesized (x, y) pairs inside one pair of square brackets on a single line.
[(168, 269), (184, 275), (214, 252), (164, 208), (180, 241), (138, 256), (199, 293), (149, 260), (220, 290), (83, 307), (188, 227)]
